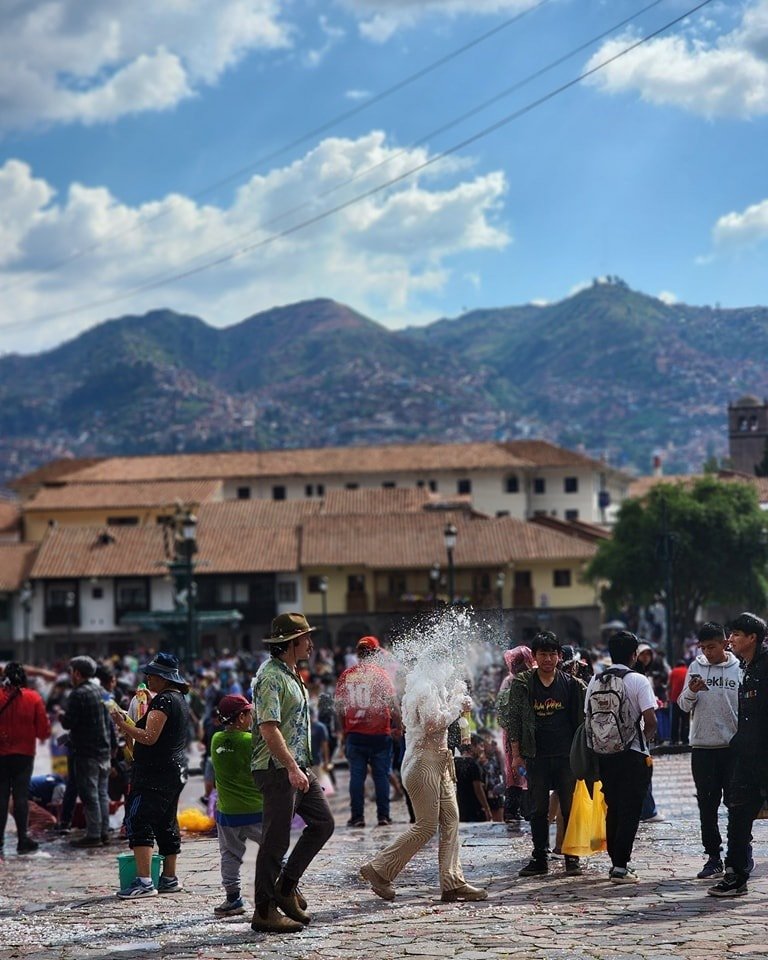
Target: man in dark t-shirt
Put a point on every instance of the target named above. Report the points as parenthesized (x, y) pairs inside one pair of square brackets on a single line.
[(545, 707), (470, 783)]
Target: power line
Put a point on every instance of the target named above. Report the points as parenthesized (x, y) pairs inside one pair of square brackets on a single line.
[(324, 215), (286, 148)]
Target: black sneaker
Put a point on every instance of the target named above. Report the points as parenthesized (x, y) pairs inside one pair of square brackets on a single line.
[(750, 859), (573, 867), (356, 822), (27, 846), (732, 885), (535, 868), (712, 869)]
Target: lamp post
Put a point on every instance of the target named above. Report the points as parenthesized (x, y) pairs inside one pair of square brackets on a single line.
[(322, 586), (434, 581), (69, 603), (449, 536), (25, 598), (185, 548), (500, 578), (666, 546)]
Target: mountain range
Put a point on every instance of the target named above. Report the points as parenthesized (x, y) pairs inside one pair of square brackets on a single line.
[(608, 370)]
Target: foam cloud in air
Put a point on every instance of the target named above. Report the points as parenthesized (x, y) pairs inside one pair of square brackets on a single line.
[(92, 61), (383, 254), (742, 228), (713, 74)]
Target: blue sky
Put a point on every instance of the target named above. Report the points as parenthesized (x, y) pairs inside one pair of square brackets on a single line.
[(117, 121)]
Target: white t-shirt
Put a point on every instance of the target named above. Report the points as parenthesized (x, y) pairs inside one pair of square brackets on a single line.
[(640, 697)]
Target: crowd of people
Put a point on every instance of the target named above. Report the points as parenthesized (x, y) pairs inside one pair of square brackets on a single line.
[(495, 746)]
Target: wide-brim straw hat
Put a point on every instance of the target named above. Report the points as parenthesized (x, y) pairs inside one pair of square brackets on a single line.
[(287, 627)]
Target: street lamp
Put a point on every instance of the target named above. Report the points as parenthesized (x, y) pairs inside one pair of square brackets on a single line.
[(449, 536), (667, 544), (185, 545), (25, 598), (434, 581), (322, 586), (500, 578)]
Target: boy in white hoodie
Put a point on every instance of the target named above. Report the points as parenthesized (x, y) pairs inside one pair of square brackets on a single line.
[(711, 696)]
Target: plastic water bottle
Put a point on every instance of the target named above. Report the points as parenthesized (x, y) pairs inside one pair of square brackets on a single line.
[(464, 729), (142, 700)]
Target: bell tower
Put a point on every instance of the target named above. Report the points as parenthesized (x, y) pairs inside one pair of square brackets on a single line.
[(747, 433)]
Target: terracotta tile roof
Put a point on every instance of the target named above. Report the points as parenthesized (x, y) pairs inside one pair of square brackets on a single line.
[(416, 541), (371, 502), (574, 528), (100, 552), (160, 493), (16, 561), (141, 551), (10, 517), (248, 549), (257, 513), (391, 458), (55, 471)]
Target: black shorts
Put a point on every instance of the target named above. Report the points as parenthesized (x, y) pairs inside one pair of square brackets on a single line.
[(150, 816)]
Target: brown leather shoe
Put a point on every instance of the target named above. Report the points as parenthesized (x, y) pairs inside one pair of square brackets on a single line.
[(381, 887), (289, 904), (268, 919), (463, 893)]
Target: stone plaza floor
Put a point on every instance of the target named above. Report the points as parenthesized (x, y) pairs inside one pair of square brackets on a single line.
[(60, 903)]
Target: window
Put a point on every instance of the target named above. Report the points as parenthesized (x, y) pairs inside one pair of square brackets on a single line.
[(131, 595), (571, 484), (278, 492), (286, 592), (561, 578), (571, 515), (389, 484), (97, 593), (464, 486), (320, 489), (308, 490), (356, 583), (433, 486), (243, 493), (539, 485), (232, 592), (351, 486), (5, 609), (420, 484), (313, 584), (122, 521), (512, 484), (502, 513)]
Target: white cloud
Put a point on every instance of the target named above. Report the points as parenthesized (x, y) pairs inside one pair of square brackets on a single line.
[(98, 60), (380, 19), (357, 95), (727, 76), (742, 229), (666, 297), (382, 255)]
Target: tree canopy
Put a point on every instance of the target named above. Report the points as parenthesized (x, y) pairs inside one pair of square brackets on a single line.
[(717, 537)]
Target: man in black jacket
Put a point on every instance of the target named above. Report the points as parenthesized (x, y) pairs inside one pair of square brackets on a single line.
[(750, 773), (89, 727), (545, 707)]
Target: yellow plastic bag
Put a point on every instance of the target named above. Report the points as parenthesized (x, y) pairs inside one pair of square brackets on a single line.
[(598, 840), (195, 821), (578, 835)]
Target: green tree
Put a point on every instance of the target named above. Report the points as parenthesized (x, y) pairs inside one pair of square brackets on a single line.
[(719, 540)]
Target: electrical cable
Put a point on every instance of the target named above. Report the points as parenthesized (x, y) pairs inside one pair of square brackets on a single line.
[(286, 148), (431, 161)]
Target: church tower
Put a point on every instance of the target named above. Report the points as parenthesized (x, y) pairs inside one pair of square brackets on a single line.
[(747, 433)]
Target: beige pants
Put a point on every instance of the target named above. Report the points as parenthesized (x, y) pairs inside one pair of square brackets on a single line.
[(429, 778)]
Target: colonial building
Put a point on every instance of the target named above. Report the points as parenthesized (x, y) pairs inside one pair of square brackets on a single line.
[(747, 433)]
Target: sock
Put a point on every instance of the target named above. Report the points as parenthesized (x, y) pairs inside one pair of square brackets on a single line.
[(231, 897), (146, 880)]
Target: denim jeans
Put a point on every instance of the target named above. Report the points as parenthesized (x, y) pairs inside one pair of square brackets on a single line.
[(364, 750), (747, 786), (92, 778), (626, 779)]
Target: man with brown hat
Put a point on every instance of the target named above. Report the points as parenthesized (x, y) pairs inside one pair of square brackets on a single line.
[(281, 762), (365, 701)]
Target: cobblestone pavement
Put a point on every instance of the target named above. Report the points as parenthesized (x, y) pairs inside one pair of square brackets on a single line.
[(60, 903)]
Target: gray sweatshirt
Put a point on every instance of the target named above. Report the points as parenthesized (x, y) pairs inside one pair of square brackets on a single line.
[(714, 712)]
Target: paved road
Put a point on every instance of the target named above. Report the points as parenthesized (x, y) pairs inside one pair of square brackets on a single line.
[(60, 905)]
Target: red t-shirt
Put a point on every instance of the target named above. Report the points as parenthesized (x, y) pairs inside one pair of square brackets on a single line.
[(677, 677), (22, 721), (365, 694)]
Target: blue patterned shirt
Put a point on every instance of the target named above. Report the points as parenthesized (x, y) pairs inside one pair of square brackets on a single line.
[(279, 696)]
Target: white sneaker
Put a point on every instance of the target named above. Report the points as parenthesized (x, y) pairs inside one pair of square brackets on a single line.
[(623, 875)]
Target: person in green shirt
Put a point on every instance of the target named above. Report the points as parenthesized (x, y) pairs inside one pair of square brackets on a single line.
[(239, 804), (281, 761)]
